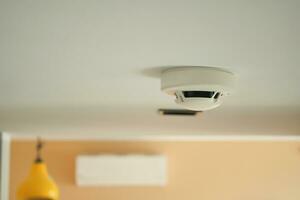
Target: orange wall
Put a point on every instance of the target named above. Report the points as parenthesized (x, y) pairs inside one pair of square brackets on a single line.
[(197, 170)]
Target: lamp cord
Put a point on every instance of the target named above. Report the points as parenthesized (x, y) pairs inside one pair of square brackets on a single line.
[(39, 146)]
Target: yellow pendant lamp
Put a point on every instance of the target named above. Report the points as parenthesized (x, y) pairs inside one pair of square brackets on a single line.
[(38, 185)]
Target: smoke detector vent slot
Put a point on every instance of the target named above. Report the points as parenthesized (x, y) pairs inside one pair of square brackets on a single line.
[(197, 94)]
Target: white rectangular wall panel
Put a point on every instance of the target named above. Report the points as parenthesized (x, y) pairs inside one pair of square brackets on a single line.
[(121, 170)]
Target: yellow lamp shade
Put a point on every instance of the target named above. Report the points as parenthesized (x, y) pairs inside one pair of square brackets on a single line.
[(38, 185)]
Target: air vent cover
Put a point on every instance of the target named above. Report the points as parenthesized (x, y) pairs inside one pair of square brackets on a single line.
[(121, 170)]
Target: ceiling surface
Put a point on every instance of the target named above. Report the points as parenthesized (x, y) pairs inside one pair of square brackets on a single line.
[(80, 67)]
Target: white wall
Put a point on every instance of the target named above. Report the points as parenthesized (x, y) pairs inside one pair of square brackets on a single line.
[(4, 165)]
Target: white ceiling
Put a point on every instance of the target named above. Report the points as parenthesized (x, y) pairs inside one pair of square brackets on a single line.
[(78, 67)]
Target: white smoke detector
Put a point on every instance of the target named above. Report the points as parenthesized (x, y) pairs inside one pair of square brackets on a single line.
[(198, 88)]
